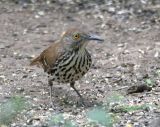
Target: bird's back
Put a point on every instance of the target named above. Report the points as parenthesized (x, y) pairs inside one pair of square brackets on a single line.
[(48, 57)]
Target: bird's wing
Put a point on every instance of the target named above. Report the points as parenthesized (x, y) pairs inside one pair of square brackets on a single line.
[(48, 57)]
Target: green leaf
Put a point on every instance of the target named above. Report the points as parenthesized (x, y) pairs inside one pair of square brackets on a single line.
[(99, 116), (11, 108), (149, 82), (58, 120), (158, 72)]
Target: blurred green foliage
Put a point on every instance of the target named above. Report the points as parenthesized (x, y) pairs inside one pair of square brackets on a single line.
[(128, 108), (59, 120), (158, 72), (10, 109), (150, 82), (99, 115)]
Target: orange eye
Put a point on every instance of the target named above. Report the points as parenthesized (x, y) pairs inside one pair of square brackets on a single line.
[(76, 36)]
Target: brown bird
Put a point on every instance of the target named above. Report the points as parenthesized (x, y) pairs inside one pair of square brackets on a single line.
[(67, 60)]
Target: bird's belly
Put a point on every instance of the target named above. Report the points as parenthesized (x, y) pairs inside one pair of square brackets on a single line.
[(76, 69)]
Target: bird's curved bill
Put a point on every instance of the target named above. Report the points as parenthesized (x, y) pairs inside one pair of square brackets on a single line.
[(95, 37)]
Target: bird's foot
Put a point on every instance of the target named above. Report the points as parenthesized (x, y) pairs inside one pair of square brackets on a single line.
[(51, 105), (81, 102)]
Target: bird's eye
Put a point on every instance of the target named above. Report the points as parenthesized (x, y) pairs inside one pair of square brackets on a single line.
[(76, 36)]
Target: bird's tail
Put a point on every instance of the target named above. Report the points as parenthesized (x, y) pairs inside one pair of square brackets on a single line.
[(36, 61)]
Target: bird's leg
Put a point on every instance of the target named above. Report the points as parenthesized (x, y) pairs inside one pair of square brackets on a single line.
[(50, 83), (81, 98)]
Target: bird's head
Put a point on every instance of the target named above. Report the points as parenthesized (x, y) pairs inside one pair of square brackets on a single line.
[(75, 39)]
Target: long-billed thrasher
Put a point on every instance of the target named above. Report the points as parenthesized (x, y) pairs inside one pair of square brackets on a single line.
[(67, 60)]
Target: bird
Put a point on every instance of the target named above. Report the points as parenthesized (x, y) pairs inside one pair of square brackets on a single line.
[(67, 59)]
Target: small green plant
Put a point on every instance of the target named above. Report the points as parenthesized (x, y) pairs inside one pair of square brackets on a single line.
[(59, 120), (100, 116), (130, 108), (150, 82), (158, 72), (127, 108), (134, 108), (10, 109)]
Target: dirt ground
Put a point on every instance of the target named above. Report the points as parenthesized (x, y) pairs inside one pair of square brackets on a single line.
[(130, 55)]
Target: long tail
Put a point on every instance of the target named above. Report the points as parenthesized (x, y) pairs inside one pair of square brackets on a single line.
[(36, 61)]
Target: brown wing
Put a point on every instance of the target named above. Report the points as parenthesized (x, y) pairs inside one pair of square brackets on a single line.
[(48, 57)]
